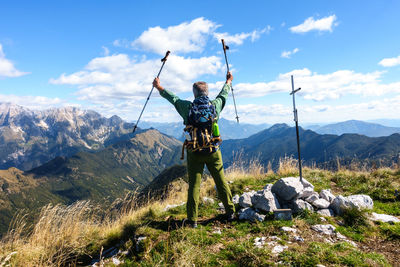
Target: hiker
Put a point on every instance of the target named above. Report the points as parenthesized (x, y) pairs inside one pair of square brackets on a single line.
[(203, 147)]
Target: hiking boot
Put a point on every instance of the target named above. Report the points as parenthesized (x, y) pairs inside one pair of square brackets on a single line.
[(189, 223), (230, 217)]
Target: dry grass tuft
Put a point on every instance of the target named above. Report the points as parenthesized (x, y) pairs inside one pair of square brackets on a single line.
[(55, 239), (288, 166)]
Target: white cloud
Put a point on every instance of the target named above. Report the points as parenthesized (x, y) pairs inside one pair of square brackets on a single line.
[(7, 68), (324, 24), (239, 38), (288, 54), (106, 51), (183, 38), (117, 77), (390, 62), (320, 87), (121, 43), (34, 102)]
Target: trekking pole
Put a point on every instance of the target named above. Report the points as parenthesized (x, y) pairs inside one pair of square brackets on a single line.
[(225, 47), (297, 126), (163, 60)]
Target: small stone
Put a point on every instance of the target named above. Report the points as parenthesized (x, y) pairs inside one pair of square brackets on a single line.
[(265, 201), (319, 265), (278, 249), (288, 229), (338, 204), (250, 215), (321, 203), (326, 229), (217, 231), (168, 207), (327, 195), (383, 218), (260, 241), (322, 219), (306, 193), (340, 236), (235, 199), (311, 199), (298, 239), (245, 199), (208, 200), (298, 205), (116, 261), (326, 212)]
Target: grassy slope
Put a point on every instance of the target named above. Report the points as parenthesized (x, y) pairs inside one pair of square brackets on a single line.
[(101, 177), (169, 244)]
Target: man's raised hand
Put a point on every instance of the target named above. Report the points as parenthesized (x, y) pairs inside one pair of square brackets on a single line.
[(156, 84), (229, 78)]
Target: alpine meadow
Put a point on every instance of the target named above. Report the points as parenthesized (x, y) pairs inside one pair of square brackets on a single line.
[(153, 133)]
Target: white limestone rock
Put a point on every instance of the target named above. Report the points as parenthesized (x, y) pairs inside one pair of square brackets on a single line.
[(265, 201), (327, 195), (278, 249), (308, 191), (321, 203), (235, 199), (290, 188), (249, 214), (299, 205), (311, 199), (354, 201), (376, 217), (326, 212), (339, 203), (208, 200), (326, 229), (245, 199), (288, 229), (361, 201)]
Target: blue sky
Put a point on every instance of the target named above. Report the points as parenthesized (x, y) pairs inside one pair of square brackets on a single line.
[(103, 55)]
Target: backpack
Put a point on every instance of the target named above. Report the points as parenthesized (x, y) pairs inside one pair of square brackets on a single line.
[(202, 116)]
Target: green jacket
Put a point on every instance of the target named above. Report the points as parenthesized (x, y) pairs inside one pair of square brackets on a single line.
[(183, 106)]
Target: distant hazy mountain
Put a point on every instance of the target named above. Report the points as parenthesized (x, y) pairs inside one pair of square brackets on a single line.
[(387, 122), (30, 138), (356, 127), (280, 140), (229, 129), (100, 177)]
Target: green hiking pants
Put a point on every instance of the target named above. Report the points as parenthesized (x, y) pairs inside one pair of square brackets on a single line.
[(195, 165)]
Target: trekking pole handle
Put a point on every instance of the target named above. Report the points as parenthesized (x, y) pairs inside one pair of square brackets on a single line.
[(166, 56), (225, 48), (223, 44)]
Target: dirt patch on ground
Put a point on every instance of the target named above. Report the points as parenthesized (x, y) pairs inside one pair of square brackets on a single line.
[(390, 249)]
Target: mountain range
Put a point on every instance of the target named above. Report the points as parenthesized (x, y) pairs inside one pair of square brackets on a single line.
[(29, 138), (101, 177), (356, 127), (279, 141)]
